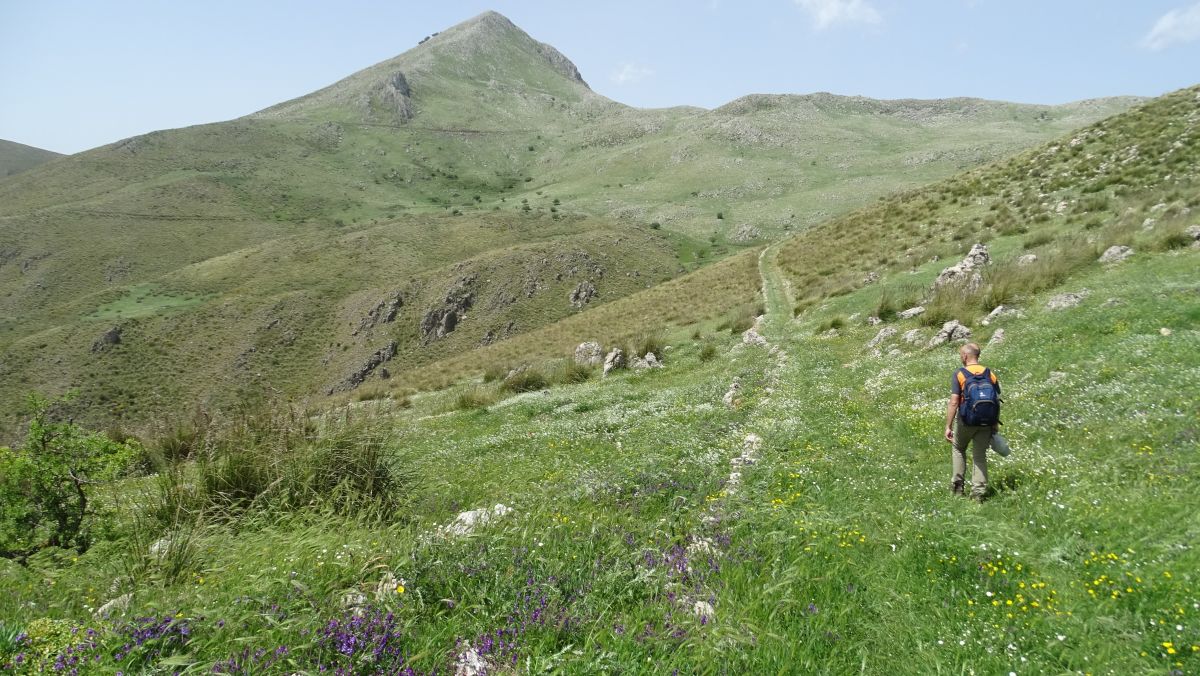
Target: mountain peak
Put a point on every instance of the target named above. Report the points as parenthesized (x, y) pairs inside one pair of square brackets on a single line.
[(484, 53)]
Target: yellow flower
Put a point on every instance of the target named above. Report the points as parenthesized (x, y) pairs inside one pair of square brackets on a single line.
[(399, 589)]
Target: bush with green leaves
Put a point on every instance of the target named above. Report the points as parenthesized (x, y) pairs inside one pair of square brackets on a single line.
[(47, 485)]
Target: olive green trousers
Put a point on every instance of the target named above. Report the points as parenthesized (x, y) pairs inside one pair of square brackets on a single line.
[(979, 438)]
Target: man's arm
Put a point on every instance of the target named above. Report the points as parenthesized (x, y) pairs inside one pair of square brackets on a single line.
[(951, 411)]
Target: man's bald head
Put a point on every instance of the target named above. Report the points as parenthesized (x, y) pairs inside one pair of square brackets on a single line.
[(969, 351)]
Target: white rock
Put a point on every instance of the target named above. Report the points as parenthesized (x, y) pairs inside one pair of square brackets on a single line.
[(752, 442), (115, 607), (589, 354), (470, 663), (912, 312), (950, 331), (703, 610), (874, 321), (884, 333), (730, 397), (1027, 259), (912, 337), (1116, 254), (614, 360), (1165, 331), (466, 522), (1067, 300), (752, 337), (997, 337)]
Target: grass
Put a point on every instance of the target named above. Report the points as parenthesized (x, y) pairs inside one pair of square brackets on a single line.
[(808, 564)]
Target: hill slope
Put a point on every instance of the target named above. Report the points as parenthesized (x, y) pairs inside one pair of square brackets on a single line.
[(648, 523), (187, 242), (17, 157)]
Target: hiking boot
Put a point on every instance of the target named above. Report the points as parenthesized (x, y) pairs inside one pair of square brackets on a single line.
[(956, 488)]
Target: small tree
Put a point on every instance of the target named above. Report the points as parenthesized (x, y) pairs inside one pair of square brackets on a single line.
[(46, 486)]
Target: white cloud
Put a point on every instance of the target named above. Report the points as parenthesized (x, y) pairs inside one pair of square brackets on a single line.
[(825, 13), (630, 72), (1177, 25)]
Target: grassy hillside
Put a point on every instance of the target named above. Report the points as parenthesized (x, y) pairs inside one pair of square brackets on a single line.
[(237, 258), (655, 525), (17, 157)]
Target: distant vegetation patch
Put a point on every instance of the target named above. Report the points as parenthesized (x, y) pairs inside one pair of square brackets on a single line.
[(145, 300)]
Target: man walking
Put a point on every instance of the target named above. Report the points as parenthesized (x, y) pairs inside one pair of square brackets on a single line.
[(975, 402)]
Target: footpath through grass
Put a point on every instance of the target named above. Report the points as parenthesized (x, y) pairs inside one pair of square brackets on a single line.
[(627, 548)]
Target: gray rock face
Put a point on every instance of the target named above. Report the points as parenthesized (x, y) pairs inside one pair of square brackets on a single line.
[(871, 277), (1193, 231), (996, 313), (966, 272), (912, 337), (753, 337), (745, 233), (614, 360), (731, 394), (1116, 254), (1027, 259), (394, 96), (589, 354), (951, 331), (884, 333), (440, 321), (648, 362), (107, 339), (383, 313), (1067, 300), (583, 294), (380, 356), (997, 337), (466, 522), (912, 312), (874, 321)]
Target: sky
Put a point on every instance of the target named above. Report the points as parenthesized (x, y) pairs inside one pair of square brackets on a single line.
[(75, 75)]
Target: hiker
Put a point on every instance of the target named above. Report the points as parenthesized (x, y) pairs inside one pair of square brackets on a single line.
[(975, 402)]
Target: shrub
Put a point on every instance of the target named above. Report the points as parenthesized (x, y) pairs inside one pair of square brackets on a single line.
[(1038, 239), (525, 380), (570, 373), (475, 397), (647, 341), (494, 372), (708, 351), (283, 460), (47, 486)]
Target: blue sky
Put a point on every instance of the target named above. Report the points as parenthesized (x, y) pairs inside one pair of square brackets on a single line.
[(75, 75)]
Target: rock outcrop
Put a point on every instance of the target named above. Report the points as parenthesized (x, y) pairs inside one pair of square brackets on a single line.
[(647, 362), (440, 321), (911, 312), (966, 272), (884, 333), (1067, 300), (1116, 254), (107, 339), (383, 313), (1027, 259), (583, 294), (589, 354), (951, 331), (466, 522), (614, 360), (360, 374)]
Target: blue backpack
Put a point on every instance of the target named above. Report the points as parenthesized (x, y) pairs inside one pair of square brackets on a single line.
[(980, 405)]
